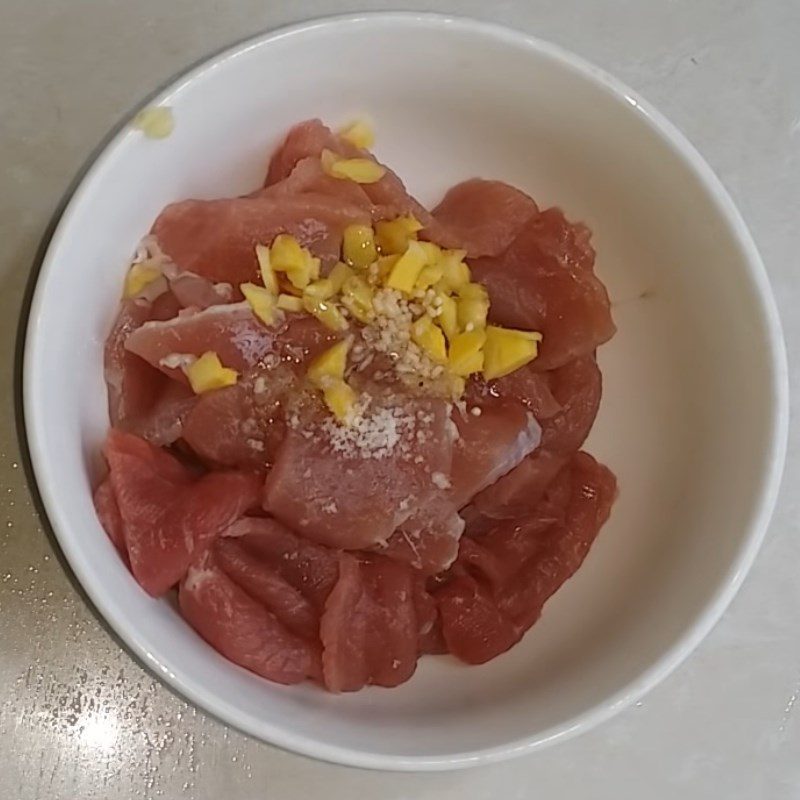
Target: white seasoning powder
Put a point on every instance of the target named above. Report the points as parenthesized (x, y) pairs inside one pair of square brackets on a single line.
[(440, 480)]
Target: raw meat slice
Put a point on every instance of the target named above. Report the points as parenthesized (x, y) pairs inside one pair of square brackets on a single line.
[(577, 386), (163, 424), (167, 515), (242, 425), (473, 628), (241, 628), (132, 383), (428, 541), (195, 291), (291, 576), (108, 512), (490, 445), (351, 487), (544, 281), (217, 238), (370, 629), (308, 567), (308, 139), (267, 586), (234, 333), (505, 577), (482, 217), (307, 175)]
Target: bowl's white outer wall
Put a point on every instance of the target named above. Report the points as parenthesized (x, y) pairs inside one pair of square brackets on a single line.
[(694, 418)]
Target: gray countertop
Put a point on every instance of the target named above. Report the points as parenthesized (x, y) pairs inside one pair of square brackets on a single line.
[(79, 718)]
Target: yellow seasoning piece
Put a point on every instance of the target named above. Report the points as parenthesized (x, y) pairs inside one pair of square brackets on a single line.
[(329, 365), (268, 276), (323, 289), (155, 122), (338, 275), (207, 373), (340, 399), (288, 302), (358, 246), (507, 350), (455, 273), (326, 312), (432, 251), (287, 256), (359, 170), (406, 270), (393, 236), (139, 276), (429, 275), (430, 338), (466, 353), (261, 300), (448, 315), (473, 306), (359, 134), (357, 297)]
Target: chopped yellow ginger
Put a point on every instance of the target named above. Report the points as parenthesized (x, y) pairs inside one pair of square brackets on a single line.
[(430, 338), (339, 274), (381, 269), (359, 134), (430, 275), (323, 289), (326, 312), (140, 276), (507, 350), (287, 256), (473, 306), (207, 373), (156, 122), (466, 353), (340, 399), (448, 315), (288, 302), (359, 170), (357, 299), (393, 236), (330, 364), (432, 251), (261, 300), (268, 276), (406, 270), (455, 273), (358, 246)]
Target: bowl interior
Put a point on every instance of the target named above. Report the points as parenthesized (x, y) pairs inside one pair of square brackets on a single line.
[(690, 381)]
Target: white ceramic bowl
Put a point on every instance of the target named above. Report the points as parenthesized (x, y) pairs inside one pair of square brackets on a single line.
[(694, 414)]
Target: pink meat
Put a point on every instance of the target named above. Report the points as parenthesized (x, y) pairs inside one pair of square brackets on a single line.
[(310, 568), (332, 493), (195, 291), (577, 387), (167, 515), (108, 512), (306, 141), (370, 629), (291, 576), (217, 238), (483, 217), (241, 628), (242, 425), (544, 281), (503, 579), (428, 541), (490, 445), (234, 333), (132, 384)]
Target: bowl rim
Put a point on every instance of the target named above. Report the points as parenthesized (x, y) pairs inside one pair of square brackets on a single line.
[(160, 664)]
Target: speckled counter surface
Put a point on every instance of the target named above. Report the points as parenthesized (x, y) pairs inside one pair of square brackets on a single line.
[(80, 719)]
